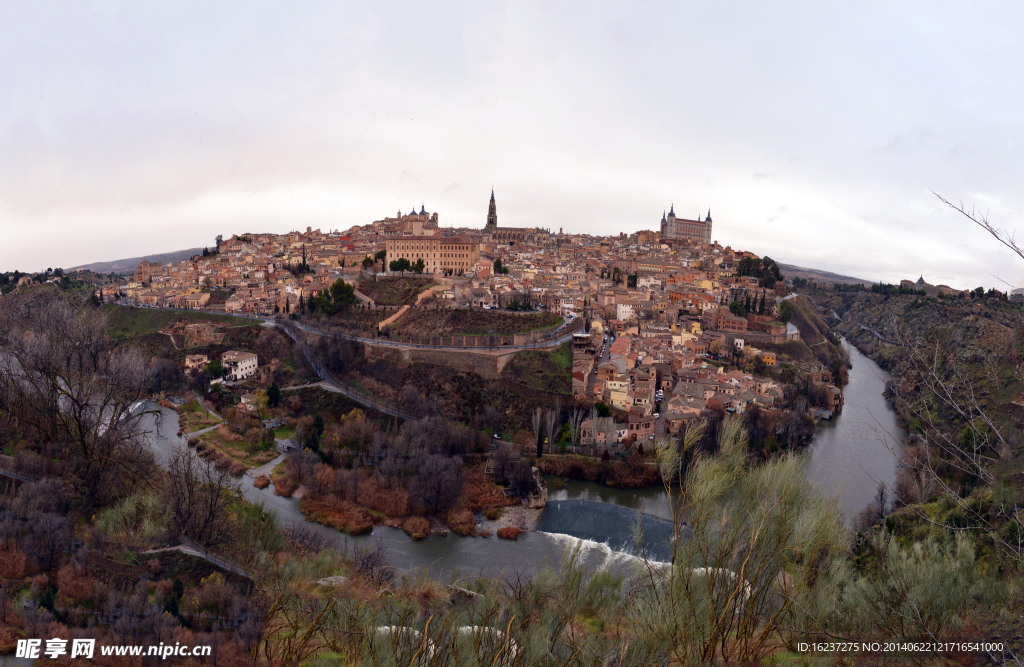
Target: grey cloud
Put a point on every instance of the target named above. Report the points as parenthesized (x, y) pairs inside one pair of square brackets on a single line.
[(125, 128)]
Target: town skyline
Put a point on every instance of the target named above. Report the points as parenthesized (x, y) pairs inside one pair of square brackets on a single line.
[(587, 121)]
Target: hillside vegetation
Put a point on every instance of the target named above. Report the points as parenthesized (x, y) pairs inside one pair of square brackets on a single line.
[(395, 291), (135, 322), (420, 322), (545, 371)]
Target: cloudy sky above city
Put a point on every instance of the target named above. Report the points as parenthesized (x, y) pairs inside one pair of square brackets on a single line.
[(814, 132)]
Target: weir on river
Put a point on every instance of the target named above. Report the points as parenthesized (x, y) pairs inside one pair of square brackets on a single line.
[(847, 456)]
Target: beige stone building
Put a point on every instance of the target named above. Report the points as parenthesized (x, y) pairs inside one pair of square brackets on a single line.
[(239, 365), (196, 361), (439, 253), (681, 229)]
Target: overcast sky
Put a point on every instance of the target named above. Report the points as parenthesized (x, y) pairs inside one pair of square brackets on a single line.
[(813, 131)]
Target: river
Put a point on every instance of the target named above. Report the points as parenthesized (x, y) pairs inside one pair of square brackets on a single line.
[(851, 454), (845, 456)]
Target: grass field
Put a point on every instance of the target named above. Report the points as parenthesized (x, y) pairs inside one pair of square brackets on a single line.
[(546, 371), (284, 432), (198, 418), (235, 447), (135, 322)]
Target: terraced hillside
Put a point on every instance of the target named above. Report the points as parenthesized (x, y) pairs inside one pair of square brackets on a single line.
[(394, 291), (423, 322)]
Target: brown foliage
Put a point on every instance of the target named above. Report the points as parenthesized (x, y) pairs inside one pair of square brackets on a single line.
[(284, 486), (12, 563), (8, 639), (479, 494), (321, 481), (261, 482), (340, 515), (416, 527), (632, 473), (228, 434), (462, 523), (508, 533), (390, 501), (74, 584), (571, 467)]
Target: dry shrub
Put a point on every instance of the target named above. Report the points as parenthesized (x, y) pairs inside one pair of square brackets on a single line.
[(321, 481), (264, 457), (74, 584), (237, 453), (340, 515), (154, 567), (462, 523), (261, 482), (481, 494), (12, 563), (416, 527), (492, 513), (237, 468), (485, 533), (8, 639), (285, 486), (391, 501), (227, 434), (571, 467), (164, 588), (508, 533), (223, 462), (632, 473)]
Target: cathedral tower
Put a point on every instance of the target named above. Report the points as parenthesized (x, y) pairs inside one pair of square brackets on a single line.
[(492, 212)]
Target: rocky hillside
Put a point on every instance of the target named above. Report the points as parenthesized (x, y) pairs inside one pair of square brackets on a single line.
[(988, 339)]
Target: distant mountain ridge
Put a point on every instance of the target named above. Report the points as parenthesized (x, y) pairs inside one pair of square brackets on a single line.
[(791, 271), (128, 265)]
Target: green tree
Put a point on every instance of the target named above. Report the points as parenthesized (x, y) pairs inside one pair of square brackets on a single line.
[(737, 309), (342, 294), (381, 255), (215, 368), (273, 395), (602, 409), (400, 264), (785, 310), (261, 402), (367, 262), (418, 266)]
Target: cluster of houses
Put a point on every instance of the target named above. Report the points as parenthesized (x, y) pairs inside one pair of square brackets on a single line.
[(626, 277), (657, 308)]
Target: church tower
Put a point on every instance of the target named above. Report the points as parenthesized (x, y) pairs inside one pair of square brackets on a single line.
[(492, 212)]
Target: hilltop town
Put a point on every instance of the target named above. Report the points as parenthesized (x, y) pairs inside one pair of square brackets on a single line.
[(665, 325)]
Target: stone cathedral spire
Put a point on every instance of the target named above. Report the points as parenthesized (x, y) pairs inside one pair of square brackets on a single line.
[(492, 212)]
